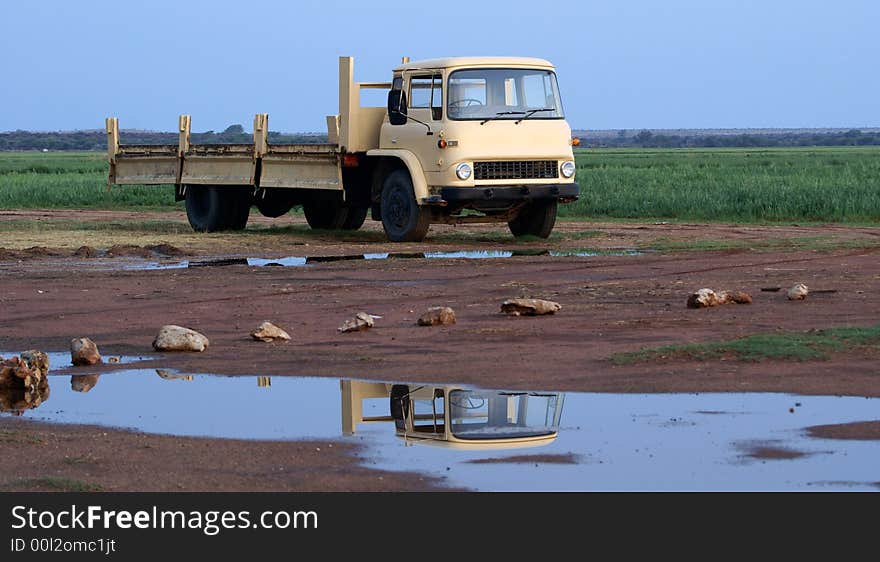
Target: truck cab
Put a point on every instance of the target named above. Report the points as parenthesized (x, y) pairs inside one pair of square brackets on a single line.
[(482, 134)]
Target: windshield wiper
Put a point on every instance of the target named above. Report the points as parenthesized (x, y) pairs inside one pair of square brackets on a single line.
[(531, 112), (484, 121)]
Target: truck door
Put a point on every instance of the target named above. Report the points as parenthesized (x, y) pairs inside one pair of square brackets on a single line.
[(425, 104)]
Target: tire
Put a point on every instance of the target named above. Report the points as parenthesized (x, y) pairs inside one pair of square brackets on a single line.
[(355, 218), (211, 208), (274, 203), (400, 405), (238, 206), (325, 214), (535, 219), (402, 218)]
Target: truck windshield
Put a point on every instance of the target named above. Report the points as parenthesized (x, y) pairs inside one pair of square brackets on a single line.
[(496, 414), (485, 94)]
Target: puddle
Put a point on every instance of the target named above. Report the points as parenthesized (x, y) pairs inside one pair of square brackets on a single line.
[(617, 441), (300, 261), (60, 360)]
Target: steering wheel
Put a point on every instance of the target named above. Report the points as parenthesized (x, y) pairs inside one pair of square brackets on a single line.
[(466, 102), (469, 402)]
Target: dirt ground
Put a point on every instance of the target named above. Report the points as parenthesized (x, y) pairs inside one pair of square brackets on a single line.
[(610, 304)]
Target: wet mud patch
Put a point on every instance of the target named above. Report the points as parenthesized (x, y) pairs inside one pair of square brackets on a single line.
[(162, 250), (149, 251), (861, 431), (34, 252), (769, 451)]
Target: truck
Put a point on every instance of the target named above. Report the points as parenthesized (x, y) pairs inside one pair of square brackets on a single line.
[(460, 140), (454, 417)]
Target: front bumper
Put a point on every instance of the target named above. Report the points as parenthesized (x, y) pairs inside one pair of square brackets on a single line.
[(506, 193)]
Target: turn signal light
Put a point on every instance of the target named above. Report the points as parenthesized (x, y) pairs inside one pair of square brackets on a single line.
[(350, 161), (575, 141)]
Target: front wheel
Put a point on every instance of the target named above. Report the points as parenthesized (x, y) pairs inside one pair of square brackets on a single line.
[(402, 217), (535, 219)]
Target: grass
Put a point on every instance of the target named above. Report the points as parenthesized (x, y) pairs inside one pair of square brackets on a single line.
[(835, 184), (792, 346), (840, 184), (71, 180), (801, 243)]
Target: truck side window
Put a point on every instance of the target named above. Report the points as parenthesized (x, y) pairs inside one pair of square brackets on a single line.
[(420, 92), (426, 92)]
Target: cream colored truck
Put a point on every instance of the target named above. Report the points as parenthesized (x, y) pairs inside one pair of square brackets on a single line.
[(455, 417), (471, 139)]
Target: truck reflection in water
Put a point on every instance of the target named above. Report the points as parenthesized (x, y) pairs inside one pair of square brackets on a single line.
[(456, 417)]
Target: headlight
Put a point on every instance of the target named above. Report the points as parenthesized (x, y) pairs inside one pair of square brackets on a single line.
[(567, 169), (463, 171)]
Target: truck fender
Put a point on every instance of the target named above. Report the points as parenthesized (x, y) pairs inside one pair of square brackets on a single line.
[(420, 186)]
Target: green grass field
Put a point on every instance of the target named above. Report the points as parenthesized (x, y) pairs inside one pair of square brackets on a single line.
[(71, 180), (840, 184)]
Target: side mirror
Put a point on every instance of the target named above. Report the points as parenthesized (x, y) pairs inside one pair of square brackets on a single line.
[(397, 107)]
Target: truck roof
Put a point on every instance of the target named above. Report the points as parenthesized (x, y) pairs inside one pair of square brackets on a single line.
[(474, 61)]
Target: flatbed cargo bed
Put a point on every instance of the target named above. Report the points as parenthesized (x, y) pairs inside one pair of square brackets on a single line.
[(257, 165)]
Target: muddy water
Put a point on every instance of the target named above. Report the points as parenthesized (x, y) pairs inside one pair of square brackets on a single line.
[(612, 441), (300, 261)]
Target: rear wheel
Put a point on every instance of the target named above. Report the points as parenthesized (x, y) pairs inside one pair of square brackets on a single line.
[(274, 203), (355, 218), (535, 219), (212, 208), (325, 213), (402, 218), (239, 206)]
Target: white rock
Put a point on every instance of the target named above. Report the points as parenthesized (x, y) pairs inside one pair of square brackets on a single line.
[(83, 351), (798, 293), (268, 331), (529, 307), (703, 298), (361, 321), (435, 315), (178, 338)]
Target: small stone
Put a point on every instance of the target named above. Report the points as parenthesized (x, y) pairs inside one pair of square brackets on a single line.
[(37, 361), (798, 293), (733, 297), (178, 338), (268, 332), (437, 315), (83, 383), (529, 307), (85, 252), (704, 298), (83, 351), (741, 297), (362, 321), (172, 376)]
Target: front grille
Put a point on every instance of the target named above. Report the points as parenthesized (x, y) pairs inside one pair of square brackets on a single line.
[(516, 170)]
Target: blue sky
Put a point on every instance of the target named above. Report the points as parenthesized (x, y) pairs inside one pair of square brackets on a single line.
[(621, 64)]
